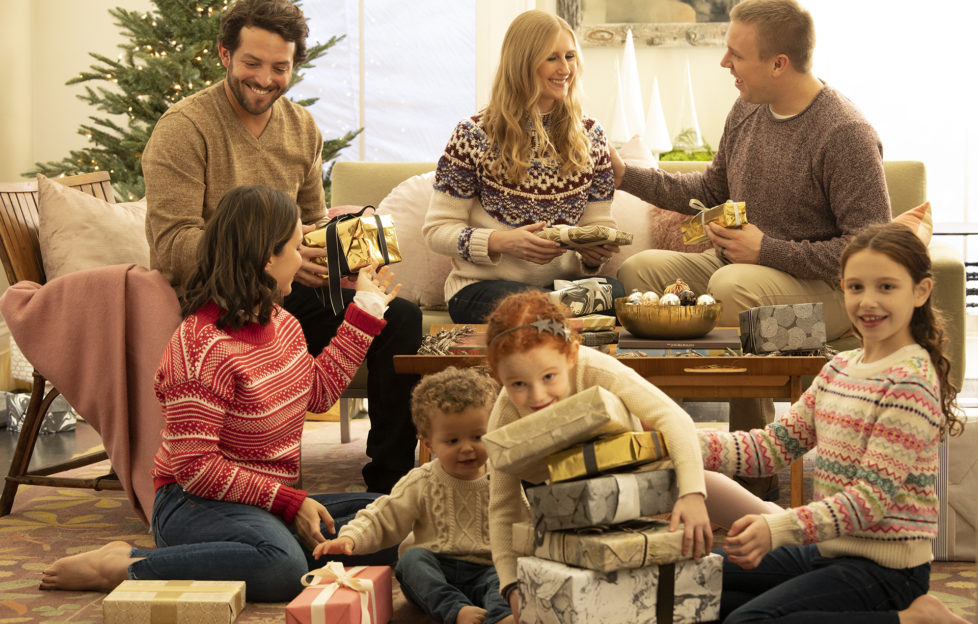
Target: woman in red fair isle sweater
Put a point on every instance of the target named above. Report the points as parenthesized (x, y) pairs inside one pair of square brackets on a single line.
[(235, 383)]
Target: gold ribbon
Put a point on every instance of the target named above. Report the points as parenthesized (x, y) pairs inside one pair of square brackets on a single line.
[(333, 576)]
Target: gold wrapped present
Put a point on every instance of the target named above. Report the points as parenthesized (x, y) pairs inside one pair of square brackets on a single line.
[(521, 448), (636, 544), (728, 214), (604, 454), (591, 322), (358, 242), (575, 236), (196, 602)]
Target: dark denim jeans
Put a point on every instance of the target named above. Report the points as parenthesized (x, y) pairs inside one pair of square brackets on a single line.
[(441, 586), (475, 302), (796, 585), (209, 540), (392, 437)]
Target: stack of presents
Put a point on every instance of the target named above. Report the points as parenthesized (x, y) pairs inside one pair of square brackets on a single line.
[(593, 552)]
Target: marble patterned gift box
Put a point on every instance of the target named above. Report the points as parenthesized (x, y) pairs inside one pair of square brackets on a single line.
[(521, 448), (610, 499), (193, 602), (554, 593), (606, 454), (637, 544)]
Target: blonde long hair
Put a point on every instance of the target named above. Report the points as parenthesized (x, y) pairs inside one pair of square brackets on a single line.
[(516, 90)]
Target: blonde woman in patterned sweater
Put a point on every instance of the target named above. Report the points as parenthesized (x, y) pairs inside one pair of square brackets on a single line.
[(235, 383), (860, 552), (447, 570), (530, 159)]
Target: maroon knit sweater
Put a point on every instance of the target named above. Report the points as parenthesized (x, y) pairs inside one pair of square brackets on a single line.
[(234, 403), (810, 182)]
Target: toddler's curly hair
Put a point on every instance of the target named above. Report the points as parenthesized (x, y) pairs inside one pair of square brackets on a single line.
[(450, 391)]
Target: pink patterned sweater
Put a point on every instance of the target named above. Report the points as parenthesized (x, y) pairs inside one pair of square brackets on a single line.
[(234, 404), (876, 427)]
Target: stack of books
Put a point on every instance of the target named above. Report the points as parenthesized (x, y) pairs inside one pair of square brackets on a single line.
[(720, 341)]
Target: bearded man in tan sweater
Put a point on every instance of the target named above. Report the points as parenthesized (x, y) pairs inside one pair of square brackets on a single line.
[(242, 132), (809, 167)]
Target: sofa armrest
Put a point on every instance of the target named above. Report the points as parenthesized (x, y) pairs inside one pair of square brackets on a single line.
[(949, 297)]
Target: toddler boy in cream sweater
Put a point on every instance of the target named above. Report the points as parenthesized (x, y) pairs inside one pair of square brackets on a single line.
[(448, 570)]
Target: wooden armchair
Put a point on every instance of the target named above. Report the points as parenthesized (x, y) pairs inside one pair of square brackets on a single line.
[(20, 254)]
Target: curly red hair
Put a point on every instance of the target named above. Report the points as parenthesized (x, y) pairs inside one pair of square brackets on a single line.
[(522, 309)]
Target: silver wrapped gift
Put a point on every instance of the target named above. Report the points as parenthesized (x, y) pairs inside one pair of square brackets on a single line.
[(584, 296), (521, 448), (59, 417), (787, 328), (610, 499), (554, 593), (636, 544)]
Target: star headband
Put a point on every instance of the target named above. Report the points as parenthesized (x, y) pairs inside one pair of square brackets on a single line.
[(542, 325)]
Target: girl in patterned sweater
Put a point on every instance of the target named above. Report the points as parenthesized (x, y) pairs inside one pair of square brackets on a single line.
[(235, 383), (861, 550), (529, 160)]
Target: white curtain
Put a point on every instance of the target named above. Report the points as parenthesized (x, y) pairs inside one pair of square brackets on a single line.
[(909, 65), (407, 79)]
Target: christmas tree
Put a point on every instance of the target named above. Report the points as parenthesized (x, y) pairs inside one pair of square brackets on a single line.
[(171, 53)]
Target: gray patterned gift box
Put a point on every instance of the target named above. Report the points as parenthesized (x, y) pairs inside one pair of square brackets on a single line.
[(637, 544), (610, 499), (795, 327), (521, 448), (680, 593)]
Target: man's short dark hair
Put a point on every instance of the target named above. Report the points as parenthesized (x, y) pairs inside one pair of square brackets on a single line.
[(281, 17)]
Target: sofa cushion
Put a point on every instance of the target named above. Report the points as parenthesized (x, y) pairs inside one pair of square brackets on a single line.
[(78, 231), (653, 227), (919, 220), (421, 272)]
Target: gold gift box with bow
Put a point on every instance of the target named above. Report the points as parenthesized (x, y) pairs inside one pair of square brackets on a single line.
[(576, 236), (603, 454), (728, 214), (358, 243), (174, 601)]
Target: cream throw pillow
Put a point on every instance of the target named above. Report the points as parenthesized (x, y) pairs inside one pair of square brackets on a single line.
[(421, 272), (78, 231)]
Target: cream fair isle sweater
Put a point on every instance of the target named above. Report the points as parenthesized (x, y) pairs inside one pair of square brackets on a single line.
[(448, 516), (469, 204), (507, 503)]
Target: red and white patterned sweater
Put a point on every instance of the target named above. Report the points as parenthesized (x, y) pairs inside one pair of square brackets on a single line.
[(234, 404)]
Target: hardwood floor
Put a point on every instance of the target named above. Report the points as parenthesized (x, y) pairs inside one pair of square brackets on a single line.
[(51, 447)]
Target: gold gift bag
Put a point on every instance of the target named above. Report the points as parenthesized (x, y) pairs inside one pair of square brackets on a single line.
[(727, 214), (353, 241)]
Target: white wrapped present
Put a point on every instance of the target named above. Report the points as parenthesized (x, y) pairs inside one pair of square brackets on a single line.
[(554, 593)]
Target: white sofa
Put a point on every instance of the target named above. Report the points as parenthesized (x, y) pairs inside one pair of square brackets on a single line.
[(380, 184)]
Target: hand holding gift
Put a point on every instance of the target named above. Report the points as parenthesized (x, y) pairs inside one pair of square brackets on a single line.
[(729, 214)]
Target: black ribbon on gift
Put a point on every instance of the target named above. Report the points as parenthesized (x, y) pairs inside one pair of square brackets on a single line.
[(336, 259)]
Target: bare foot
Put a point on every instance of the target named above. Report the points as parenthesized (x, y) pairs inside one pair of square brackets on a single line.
[(99, 570), (928, 609), (470, 615)]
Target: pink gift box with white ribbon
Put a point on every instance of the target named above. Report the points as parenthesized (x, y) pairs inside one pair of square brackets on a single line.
[(338, 595)]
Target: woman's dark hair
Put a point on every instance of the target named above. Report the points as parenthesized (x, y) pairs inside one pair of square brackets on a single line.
[(250, 224), (899, 243), (278, 16)]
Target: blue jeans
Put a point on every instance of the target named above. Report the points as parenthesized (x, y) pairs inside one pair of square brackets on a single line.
[(441, 586), (794, 584), (475, 302), (210, 540)]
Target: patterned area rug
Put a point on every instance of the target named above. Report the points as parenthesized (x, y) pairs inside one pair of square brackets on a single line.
[(48, 523)]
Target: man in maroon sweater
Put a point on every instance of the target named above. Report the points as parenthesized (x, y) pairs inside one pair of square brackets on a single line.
[(806, 162)]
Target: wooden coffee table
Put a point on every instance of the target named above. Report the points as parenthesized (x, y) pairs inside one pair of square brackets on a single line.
[(733, 377)]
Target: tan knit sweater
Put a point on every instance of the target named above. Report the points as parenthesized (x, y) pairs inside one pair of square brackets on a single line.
[(449, 516), (200, 150), (507, 504)]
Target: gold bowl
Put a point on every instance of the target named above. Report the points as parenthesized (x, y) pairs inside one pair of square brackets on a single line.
[(664, 321)]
